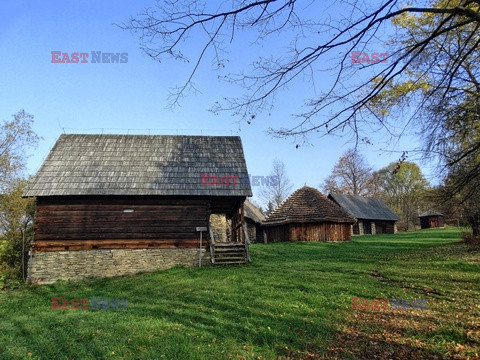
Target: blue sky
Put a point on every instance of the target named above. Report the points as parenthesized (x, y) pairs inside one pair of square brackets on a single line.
[(87, 98)]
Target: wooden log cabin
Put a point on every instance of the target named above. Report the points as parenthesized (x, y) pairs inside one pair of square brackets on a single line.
[(307, 215), (431, 219), (109, 205), (372, 214)]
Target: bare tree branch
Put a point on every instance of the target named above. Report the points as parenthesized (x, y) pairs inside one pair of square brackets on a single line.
[(432, 65)]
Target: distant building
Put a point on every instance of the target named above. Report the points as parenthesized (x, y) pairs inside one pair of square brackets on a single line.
[(307, 215), (372, 214), (254, 220), (432, 219)]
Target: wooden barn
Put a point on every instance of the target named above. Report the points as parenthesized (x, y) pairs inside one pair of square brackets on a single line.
[(115, 204), (432, 219), (372, 214), (307, 215), (254, 220)]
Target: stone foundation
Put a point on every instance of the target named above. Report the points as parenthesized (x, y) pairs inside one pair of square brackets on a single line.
[(252, 232), (219, 224), (360, 227), (48, 267)]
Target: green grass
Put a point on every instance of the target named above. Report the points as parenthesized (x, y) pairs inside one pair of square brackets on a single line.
[(293, 301)]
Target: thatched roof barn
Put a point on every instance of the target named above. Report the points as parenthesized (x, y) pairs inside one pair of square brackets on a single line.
[(372, 214), (114, 204), (307, 215), (431, 219), (254, 220)]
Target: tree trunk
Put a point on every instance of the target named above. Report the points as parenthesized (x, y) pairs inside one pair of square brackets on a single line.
[(23, 255), (474, 221)]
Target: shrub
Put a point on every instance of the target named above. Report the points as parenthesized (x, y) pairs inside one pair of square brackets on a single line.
[(469, 238), (16, 233), (9, 277)]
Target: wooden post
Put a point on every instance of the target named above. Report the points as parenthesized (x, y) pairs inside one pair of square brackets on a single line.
[(242, 223), (247, 243), (212, 244), (200, 252), (200, 229)]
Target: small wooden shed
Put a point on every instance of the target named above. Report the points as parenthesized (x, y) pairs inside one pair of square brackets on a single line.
[(372, 214), (307, 215), (117, 204), (432, 219)]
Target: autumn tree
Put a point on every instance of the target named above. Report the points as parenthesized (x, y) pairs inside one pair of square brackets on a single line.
[(351, 175), (462, 184), (432, 58), (16, 231), (446, 81), (16, 213), (16, 137), (402, 186), (279, 188)]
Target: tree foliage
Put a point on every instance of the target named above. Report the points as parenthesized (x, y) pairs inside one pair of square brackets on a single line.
[(351, 175), (16, 231), (16, 213), (16, 136), (270, 208), (446, 83), (462, 184), (402, 187)]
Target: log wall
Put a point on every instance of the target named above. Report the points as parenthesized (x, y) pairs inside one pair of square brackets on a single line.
[(427, 222), (309, 232), (88, 223), (385, 227)]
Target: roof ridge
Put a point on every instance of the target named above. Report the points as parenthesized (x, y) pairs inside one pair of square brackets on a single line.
[(431, 212), (146, 135)]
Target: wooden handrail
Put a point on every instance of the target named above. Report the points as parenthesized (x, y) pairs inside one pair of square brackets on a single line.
[(212, 243), (212, 239), (247, 242)]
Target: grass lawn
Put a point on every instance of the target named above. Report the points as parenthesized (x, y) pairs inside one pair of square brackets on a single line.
[(293, 301)]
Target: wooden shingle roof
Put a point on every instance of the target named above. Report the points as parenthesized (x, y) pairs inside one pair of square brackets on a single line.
[(142, 165), (307, 205), (365, 207), (252, 212), (430, 213)]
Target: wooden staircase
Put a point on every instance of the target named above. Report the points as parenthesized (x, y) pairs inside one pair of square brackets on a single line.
[(229, 252)]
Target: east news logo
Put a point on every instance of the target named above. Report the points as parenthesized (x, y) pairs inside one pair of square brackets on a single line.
[(359, 57), (97, 57), (96, 303)]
